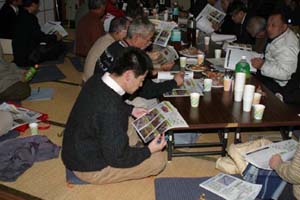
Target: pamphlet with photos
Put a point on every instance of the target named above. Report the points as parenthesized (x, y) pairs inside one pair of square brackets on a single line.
[(189, 86), (260, 157), (163, 32), (166, 54), (231, 188), (51, 27), (20, 115), (158, 120)]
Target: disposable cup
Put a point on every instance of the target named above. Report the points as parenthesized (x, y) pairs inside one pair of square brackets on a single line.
[(206, 40), (249, 92), (238, 95), (247, 104), (258, 111), (207, 84), (33, 128), (227, 84), (256, 98), (200, 59), (183, 62), (239, 82), (195, 97), (218, 53)]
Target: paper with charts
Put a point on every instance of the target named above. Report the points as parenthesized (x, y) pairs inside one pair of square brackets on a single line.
[(189, 86), (260, 157), (158, 120), (231, 188)]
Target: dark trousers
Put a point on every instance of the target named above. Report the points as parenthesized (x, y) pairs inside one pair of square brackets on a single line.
[(269, 83), (287, 193), (16, 92)]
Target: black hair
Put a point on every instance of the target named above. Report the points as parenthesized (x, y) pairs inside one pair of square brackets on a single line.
[(281, 14), (27, 3), (118, 24), (95, 4), (236, 6), (134, 59)]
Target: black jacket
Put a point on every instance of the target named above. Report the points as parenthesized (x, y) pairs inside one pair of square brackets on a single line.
[(7, 21)]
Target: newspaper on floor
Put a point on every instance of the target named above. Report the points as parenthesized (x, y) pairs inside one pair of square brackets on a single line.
[(158, 120), (163, 31), (260, 157), (231, 188), (208, 16), (20, 115), (51, 27)]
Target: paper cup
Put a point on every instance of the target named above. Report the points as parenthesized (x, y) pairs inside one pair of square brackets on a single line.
[(256, 98), (227, 84), (207, 84), (195, 97), (218, 53), (183, 62), (206, 40), (247, 105), (33, 128), (238, 95), (249, 92), (239, 82), (258, 111), (200, 59)]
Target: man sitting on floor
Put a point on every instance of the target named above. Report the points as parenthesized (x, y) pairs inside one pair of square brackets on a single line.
[(30, 45), (281, 53), (117, 31), (140, 33), (98, 145)]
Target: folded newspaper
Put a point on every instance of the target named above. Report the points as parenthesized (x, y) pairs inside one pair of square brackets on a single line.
[(158, 120), (20, 115), (166, 54), (260, 157), (189, 86), (163, 31), (51, 27), (231, 188)]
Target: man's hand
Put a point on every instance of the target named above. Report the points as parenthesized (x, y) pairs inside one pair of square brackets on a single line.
[(167, 66), (138, 112), (275, 161), (58, 36), (257, 62), (179, 78), (158, 143)]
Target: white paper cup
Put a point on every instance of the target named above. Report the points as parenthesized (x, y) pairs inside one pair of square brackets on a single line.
[(256, 98), (238, 95), (239, 82), (206, 40), (247, 104), (195, 97), (183, 62), (200, 59), (218, 53), (33, 128), (258, 111), (249, 92), (207, 85)]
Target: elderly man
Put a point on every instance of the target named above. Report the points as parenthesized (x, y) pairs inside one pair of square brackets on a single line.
[(256, 27), (140, 33), (280, 60), (98, 142), (90, 27), (117, 31)]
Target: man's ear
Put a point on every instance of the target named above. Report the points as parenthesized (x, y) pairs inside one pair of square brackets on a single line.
[(128, 75)]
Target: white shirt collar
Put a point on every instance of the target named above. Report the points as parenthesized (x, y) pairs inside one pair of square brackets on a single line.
[(16, 9), (112, 84), (244, 18)]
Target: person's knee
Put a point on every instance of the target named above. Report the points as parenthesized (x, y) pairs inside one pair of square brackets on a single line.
[(159, 162)]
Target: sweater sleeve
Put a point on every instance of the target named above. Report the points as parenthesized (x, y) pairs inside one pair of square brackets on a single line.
[(290, 172), (151, 89), (114, 142)]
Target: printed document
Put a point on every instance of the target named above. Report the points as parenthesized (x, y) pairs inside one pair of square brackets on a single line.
[(231, 188), (51, 27)]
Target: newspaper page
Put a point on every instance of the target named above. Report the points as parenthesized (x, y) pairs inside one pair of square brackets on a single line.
[(163, 31), (189, 86), (231, 188), (233, 56), (208, 16), (20, 115), (51, 27), (260, 157), (166, 54), (158, 120)]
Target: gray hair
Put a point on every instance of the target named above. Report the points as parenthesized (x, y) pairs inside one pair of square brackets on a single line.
[(141, 26), (255, 25), (95, 4), (118, 24)]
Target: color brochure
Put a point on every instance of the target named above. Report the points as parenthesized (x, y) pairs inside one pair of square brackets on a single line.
[(158, 120), (163, 31), (260, 157), (231, 188)]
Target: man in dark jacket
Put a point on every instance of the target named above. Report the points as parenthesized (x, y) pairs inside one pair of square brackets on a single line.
[(98, 145), (30, 45)]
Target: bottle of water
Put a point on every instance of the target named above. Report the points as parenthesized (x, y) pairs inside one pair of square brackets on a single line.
[(191, 31), (243, 66), (30, 73), (175, 12)]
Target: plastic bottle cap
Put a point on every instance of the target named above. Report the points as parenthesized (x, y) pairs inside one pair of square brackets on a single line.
[(243, 57)]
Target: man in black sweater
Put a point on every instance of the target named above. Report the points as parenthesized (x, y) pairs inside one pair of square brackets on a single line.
[(140, 33), (97, 144)]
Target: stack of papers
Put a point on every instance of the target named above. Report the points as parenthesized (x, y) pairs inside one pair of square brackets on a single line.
[(52, 26), (222, 37)]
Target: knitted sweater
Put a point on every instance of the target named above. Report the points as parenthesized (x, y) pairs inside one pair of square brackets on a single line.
[(96, 132), (290, 172)]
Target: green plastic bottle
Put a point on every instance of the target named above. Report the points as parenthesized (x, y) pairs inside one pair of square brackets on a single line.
[(30, 73), (243, 66)]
